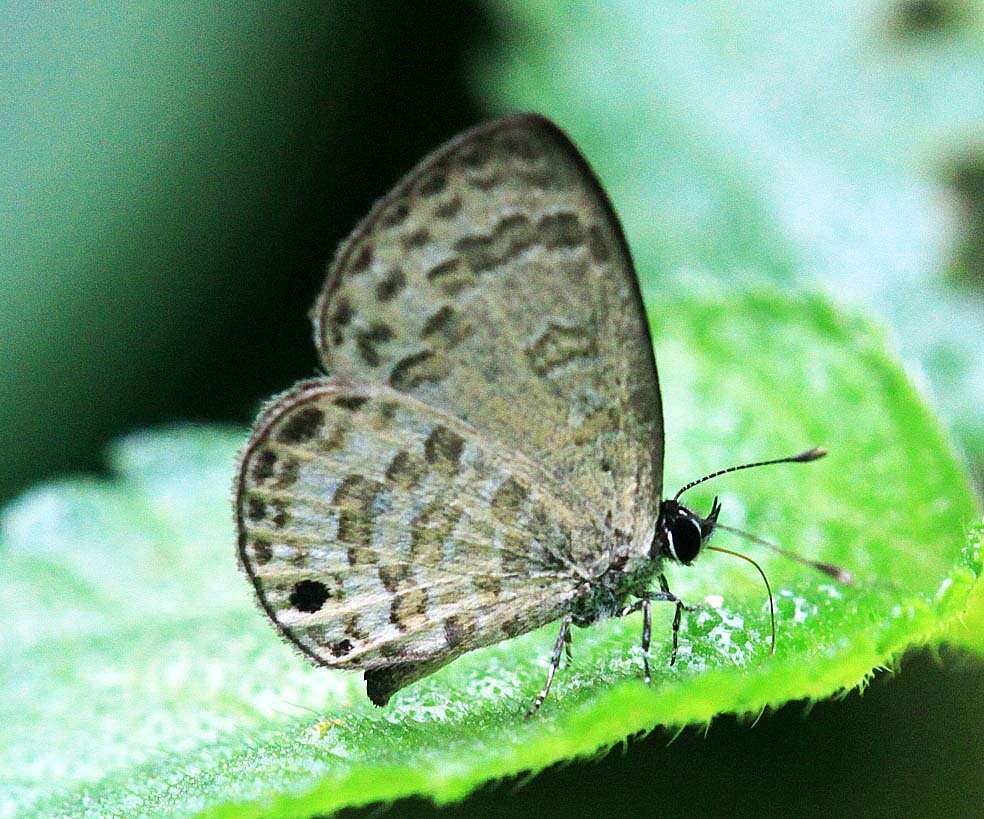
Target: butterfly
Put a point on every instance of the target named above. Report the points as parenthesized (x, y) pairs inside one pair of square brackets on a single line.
[(486, 454)]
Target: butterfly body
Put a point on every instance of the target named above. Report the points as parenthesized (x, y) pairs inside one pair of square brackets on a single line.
[(485, 456), (628, 575)]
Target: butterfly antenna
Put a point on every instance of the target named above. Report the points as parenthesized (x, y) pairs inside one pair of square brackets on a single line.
[(803, 457), (768, 588), (829, 569)]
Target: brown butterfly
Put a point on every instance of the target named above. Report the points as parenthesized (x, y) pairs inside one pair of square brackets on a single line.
[(486, 456)]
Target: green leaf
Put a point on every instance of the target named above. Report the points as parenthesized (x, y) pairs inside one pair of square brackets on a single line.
[(967, 630), (788, 141), (138, 677)]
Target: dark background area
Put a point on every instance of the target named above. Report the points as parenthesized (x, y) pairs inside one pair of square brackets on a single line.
[(219, 271)]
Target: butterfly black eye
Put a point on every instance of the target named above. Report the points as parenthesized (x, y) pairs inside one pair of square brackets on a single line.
[(684, 539)]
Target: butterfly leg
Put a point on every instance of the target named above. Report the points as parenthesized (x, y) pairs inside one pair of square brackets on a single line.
[(568, 640), (558, 650), (677, 615), (664, 595), (647, 633), (646, 604)]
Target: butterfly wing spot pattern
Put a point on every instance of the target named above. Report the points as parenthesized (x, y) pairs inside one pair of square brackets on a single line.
[(373, 529), (487, 454)]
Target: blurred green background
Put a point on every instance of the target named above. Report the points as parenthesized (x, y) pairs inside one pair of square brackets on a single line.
[(173, 178)]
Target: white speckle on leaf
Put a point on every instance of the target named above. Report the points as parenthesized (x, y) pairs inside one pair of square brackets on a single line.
[(947, 582), (802, 611)]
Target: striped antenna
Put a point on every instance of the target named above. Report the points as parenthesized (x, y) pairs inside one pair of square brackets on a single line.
[(803, 457)]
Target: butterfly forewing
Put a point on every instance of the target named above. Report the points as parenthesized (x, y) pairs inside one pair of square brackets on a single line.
[(383, 534), (494, 283)]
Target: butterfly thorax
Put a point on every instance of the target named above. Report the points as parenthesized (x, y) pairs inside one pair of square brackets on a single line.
[(629, 574)]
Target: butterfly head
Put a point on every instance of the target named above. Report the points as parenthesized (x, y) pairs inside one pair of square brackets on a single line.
[(681, 533)]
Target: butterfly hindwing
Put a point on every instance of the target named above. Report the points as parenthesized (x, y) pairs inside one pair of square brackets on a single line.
[(495, 284), (384, 535)]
